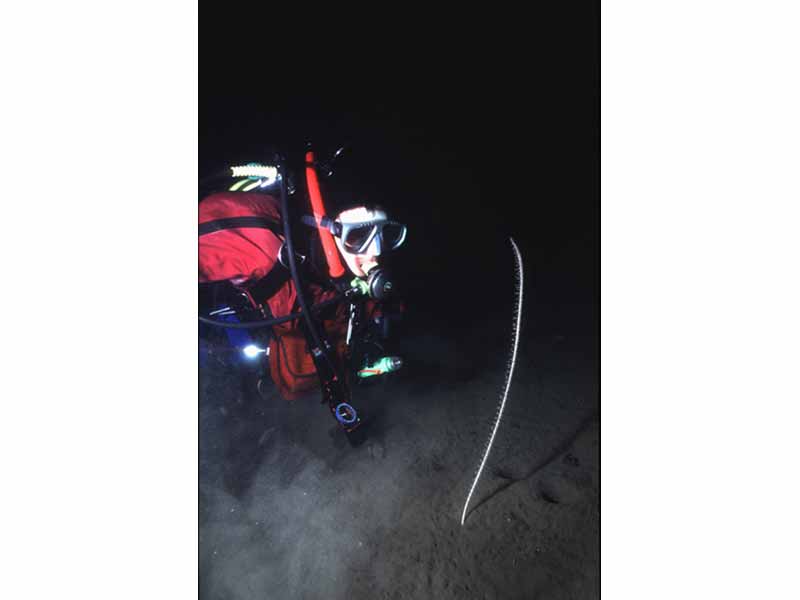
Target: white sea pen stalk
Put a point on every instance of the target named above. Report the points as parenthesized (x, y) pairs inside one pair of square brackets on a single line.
[(509, 374)]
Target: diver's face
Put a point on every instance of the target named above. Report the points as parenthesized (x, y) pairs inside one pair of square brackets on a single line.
[(360, 264)]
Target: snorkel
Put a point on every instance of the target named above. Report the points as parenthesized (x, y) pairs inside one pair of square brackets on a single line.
[(335, 268)]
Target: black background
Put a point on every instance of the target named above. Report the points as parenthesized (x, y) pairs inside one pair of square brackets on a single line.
[(469, 133)]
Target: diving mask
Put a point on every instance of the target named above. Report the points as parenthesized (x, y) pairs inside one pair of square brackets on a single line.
[(372, 235)]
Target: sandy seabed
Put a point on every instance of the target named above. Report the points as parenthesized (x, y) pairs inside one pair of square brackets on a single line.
[(288, 509)]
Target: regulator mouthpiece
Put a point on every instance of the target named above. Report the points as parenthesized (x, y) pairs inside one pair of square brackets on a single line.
[(378, 284)]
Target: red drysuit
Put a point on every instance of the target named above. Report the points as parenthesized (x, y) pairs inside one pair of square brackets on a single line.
[(245, 254)]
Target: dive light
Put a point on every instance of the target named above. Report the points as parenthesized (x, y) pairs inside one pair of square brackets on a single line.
[(385, 365), (251, 351)]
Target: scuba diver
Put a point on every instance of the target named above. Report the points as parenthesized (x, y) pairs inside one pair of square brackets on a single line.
[(325, 302)]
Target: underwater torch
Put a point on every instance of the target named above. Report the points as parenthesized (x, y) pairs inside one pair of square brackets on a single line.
[(385, 365)]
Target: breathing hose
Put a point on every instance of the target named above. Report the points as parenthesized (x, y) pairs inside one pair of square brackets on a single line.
[(305, 313), (270, 322)]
